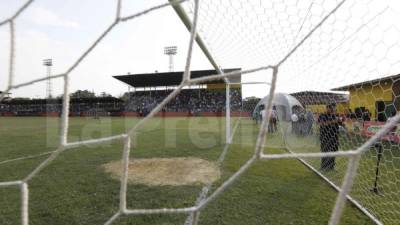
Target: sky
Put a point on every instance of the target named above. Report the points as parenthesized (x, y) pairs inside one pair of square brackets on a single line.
[(359, 42)]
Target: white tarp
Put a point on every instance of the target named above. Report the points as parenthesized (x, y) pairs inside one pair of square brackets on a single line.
[(284, 104)]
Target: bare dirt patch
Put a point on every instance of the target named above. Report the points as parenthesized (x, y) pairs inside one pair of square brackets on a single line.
[(167, 171)]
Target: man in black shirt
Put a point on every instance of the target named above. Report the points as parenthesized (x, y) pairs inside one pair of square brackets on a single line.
[(329, 135)]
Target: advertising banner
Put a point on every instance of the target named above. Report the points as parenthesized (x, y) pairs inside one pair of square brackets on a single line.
[(370, 128)]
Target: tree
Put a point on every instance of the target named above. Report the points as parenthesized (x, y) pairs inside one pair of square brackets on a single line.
[(125, 96), (104, 95), (250, 103), (82, 94), (251, 100)]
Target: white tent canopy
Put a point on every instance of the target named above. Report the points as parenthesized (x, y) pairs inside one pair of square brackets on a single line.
[(284, 104)]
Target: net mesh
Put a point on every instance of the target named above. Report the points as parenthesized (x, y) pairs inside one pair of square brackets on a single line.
[(295, 45)]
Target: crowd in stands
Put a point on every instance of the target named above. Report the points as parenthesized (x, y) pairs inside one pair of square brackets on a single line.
[(32, 107), (188, 100), (142, 102)]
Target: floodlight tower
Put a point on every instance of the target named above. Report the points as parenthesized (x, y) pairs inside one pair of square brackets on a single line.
[(171, 51), (48, 63)]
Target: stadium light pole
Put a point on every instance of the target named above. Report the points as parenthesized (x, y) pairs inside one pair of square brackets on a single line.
[(48, 63), (171, 51)]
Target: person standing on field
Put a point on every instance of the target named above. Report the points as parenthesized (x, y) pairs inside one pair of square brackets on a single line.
[(329, 135), (309, 122), (258, 115), (294, 118), (273, 120), (263, 114)]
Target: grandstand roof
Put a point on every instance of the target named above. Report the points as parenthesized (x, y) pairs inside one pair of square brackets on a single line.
[(171, 78), (316, 97), (368, 82)]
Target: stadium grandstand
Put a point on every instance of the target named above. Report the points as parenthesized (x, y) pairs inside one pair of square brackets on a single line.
[(95, 106), (4, 106), (316, 101), (205, 99)]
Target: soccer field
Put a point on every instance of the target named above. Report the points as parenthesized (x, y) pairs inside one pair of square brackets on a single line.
[(383, 203), (75, 189)]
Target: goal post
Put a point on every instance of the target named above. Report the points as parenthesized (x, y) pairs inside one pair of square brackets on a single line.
[(240, 105)]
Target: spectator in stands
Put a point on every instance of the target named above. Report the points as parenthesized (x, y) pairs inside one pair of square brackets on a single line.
[(142, 102), (195, 100)]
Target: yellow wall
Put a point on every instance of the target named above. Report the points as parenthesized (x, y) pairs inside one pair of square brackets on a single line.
[(367, 95), (316, 108), (341, 108)]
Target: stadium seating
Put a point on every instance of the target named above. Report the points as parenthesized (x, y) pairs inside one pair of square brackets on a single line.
[(192, 101), (189, 100)]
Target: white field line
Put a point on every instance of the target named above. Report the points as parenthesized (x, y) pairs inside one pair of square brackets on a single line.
[(204, 191), (68, 146), (71, 144), (337, 188), (26, 157), (198, 129)]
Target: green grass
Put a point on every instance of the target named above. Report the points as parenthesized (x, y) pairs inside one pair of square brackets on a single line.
[(73, 189), (385, 205)]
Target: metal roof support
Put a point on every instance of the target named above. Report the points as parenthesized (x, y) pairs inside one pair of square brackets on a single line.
[(186, 21)]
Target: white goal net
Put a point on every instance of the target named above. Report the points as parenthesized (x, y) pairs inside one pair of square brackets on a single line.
[(332, 94)]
